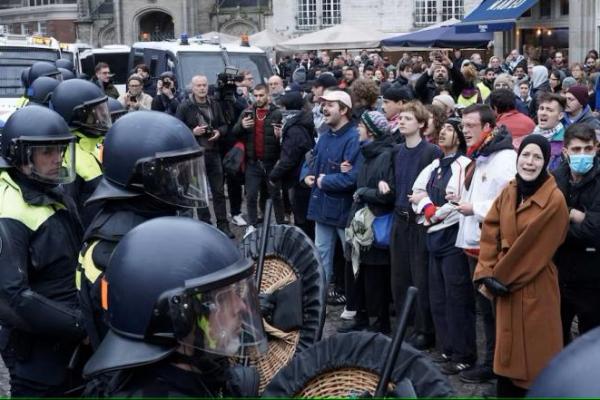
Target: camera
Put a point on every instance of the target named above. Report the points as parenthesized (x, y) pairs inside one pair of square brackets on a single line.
[(166, 84), (226, 83)]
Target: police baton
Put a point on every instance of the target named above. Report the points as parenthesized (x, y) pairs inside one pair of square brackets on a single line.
[(396, 344), (264, 234)]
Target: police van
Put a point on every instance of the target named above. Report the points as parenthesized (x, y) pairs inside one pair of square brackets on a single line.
[(18, 52), (188, 57), (115, 55)]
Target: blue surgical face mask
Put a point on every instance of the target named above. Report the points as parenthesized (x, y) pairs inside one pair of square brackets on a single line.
[(581, 163)]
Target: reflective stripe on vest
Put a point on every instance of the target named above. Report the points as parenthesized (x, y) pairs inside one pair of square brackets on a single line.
[(87, 266), (12, 205)]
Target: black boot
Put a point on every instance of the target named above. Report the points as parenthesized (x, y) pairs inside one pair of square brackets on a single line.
[(224, 227)]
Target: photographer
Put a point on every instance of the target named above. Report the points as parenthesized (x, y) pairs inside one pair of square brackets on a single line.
[(135, 99), (203, 115), (167, 97)]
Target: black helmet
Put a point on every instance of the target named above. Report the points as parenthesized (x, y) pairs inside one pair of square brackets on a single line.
[(25, 78), (573, 372), (171, 282), (43, 68), (155, 153), (38, 141), (116, 109), (83, 106), (41, 90), (66, 74), (65, 63)]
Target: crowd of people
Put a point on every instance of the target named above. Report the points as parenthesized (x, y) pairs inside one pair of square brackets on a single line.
[(474, 182)]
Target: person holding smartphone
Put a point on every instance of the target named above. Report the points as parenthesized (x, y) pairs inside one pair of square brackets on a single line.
[(135, 99)]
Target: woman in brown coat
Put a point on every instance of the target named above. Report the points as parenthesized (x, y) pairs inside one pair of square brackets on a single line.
[(520, 234)]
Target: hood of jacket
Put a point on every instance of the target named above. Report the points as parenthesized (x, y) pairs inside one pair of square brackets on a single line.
[(373, 149)]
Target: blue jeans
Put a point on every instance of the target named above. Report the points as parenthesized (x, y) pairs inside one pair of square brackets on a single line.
[(325, 243)]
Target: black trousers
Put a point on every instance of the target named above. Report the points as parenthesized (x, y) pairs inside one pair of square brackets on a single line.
[(214, 173), (581, 302), (453, 305), (409, 261), (506, 388), (371, 290), (234, 192), (256, 176), (300, 197), (489, 321)]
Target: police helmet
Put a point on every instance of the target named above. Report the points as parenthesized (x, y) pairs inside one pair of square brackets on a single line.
[(66, 74), (41, 90), (25, 78), (37, 141), (43, 68), (573, 372), (116, 109), (83, 106), (65, 63), (154, 153), (173, 282)]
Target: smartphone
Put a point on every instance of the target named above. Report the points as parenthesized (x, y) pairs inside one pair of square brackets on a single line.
[(133, 99), (454, 203), (248, 113)]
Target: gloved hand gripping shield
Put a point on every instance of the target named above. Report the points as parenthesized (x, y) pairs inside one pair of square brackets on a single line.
[(47, 160), (177, 178), (222, 320)]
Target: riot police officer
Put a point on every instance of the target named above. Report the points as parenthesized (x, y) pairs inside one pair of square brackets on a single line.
[(153, 167), (40, 235), (84, 107), (30, 74), (41, 90), (195, 304)]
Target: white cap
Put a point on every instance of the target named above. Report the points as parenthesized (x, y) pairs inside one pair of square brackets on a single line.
[(337, 95)]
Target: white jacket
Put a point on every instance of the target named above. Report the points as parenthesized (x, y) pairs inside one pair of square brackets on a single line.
[(446, 214), (491, 175)]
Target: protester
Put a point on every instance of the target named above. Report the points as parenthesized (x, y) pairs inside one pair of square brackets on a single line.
[(450, 289), (435, 123), (577, 109), (550, 113), (296, 135), (474, 91), (502, 101), (167, 97), (393, 100), (255, 129), (370, 259), (103, 81), (556, 78), (493, 165), (322, 83), (276, 88), (440, 76), (331, 196), (539, 85), (203, 115), (576, 259), (505, 81), (135, 99), (364, 94), (446, 102), (407, 242), (521, 232), (143, 71)]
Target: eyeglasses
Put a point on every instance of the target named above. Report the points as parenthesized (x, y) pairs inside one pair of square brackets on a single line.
[(134, 86)]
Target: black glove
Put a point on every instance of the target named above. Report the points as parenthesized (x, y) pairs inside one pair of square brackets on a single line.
[(495, 287), (359, 192)]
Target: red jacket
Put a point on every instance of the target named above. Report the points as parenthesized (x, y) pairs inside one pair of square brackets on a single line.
[(518, 124)]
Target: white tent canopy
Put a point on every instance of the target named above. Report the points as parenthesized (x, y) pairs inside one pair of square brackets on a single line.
[(337, 37), (266, 39)]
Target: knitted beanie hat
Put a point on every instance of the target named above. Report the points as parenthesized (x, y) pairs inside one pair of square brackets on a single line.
[(375, 122), (580, 92)]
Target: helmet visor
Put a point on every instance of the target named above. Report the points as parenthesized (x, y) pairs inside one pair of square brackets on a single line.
[(48, 162), (95, 118), (224, 321), (177, 179)]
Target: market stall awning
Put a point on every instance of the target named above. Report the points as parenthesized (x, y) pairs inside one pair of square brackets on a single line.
[(337, 37), (440, 37), (494, 15)]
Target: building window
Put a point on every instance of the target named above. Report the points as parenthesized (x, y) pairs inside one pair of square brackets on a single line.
[(307, 14), (564, 7), (332, 12), (545, 9), (429, 12), (42, 28)]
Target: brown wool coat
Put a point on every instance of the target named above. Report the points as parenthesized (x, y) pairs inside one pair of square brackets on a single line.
[(517, 245)]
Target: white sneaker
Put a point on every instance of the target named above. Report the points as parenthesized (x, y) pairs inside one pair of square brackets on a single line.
[(239, 220), (348, 315), (249, 230)]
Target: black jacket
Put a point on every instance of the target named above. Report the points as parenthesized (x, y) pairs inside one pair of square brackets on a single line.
[(161, 102), (40, 233), (426, 89), (297, 140), (577, 257), (109, 89), (378, 165), (191, 115), (272, 148)]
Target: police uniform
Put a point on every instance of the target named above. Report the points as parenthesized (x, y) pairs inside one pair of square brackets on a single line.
[(40, 234), (126, 199)]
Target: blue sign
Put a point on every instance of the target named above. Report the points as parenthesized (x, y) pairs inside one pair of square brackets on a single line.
[(494, 15)]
